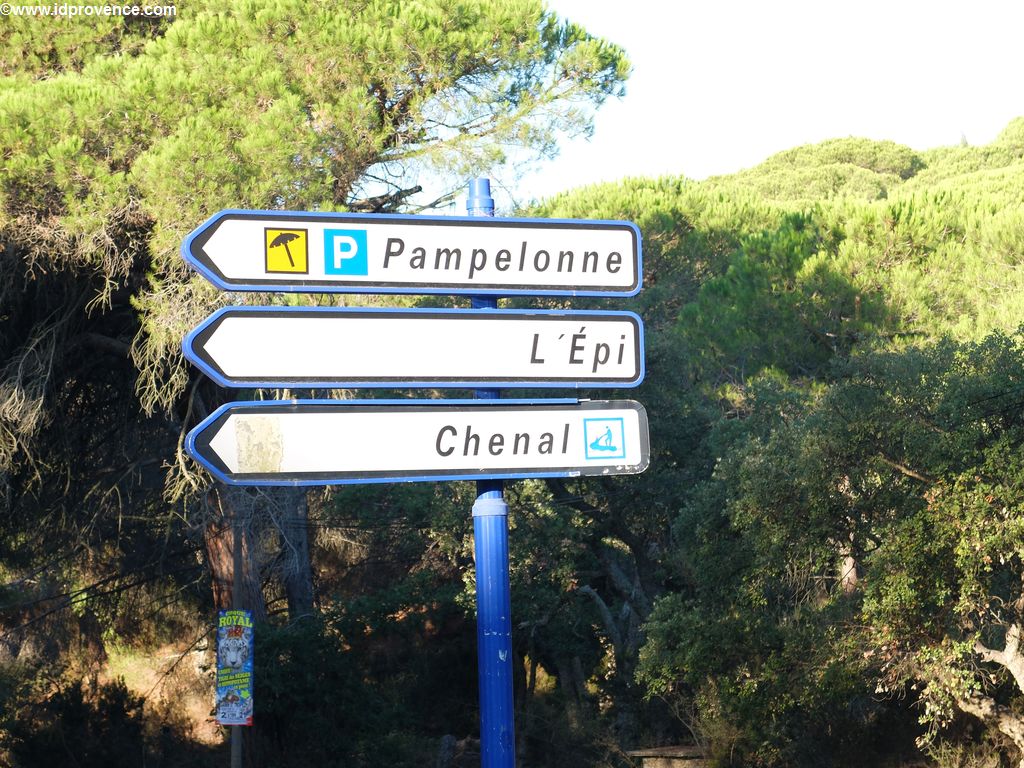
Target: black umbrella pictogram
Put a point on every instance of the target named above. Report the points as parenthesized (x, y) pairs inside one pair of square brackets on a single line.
[(283, 239)]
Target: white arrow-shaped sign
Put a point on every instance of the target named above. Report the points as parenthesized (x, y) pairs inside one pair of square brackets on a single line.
[(378, 253), (343, 348), (327, 442)]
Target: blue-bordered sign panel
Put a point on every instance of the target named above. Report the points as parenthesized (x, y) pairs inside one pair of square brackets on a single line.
[(391, 253), (338, 442), (336, 347)]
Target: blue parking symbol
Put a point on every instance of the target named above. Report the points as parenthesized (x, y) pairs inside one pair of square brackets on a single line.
[(345, 252), (604, 438)]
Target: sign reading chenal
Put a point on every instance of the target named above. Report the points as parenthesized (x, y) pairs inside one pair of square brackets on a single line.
[(338, 442)]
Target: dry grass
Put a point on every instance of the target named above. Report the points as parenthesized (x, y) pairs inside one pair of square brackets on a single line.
[(177, 684)]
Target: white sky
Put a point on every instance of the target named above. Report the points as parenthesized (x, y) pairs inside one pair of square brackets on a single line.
[(720, 85)]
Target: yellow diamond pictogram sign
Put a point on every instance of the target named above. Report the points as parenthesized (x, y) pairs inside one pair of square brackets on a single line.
[(286, 250)]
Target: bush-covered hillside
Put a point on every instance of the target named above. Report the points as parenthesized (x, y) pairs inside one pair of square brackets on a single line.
[(836, 373)]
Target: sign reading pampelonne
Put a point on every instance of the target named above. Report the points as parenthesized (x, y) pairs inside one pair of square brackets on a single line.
[(390, 253)]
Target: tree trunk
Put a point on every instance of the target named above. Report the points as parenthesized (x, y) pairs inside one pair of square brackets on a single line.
[(567, 682), (848, 578), (219, 539), (986, 709), (298, 568), (446, 752), (260, 514), (1010, 657), (1005, 719), (847, 575)]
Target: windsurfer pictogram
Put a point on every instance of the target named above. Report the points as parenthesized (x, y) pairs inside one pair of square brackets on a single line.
[(604, 442), (604, 439)]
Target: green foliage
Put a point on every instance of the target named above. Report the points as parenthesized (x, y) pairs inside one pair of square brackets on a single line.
[(35, 49), (802, 320), (779, 302), (90, 729), (907, 466), (314, 705), (857, 169), (884, 157)]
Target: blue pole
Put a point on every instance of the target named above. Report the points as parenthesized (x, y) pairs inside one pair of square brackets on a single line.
[(493, 594)]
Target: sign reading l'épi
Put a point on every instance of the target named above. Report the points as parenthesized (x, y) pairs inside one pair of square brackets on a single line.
[(391, 253), (342, 347)]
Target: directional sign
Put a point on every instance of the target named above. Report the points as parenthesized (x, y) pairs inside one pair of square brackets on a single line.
[(332, 442), (377, 253), (341, 347)]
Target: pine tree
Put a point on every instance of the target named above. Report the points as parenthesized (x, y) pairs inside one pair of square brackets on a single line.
[(119, 137)]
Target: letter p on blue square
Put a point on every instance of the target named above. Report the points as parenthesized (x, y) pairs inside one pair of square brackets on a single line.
[(345, 252)]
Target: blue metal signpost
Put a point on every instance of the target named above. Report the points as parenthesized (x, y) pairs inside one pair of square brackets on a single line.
[(493, 593)]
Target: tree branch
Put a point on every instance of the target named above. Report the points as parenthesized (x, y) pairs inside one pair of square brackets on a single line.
[(630, 589), (106, 344), (903, 469), (606, 615), (1009, 658), (988, 710), (384, 203), (562, 495), (988, 654)]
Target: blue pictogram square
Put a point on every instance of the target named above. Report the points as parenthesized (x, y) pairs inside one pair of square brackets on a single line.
[(345, 252), (604, 438)]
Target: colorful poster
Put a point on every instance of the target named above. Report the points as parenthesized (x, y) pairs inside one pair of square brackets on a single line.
[(234, 668)]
